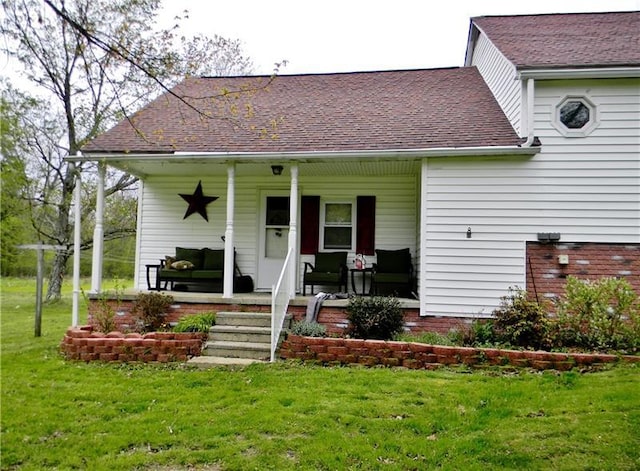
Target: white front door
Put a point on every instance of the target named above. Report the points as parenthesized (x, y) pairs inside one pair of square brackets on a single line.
[(274, 238)]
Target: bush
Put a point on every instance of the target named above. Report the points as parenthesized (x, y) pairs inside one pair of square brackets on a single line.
[(602, 314), (150, 310), (482, 334), (308, 329), (374, 317), (105, 314), (452, 339), (196, 323), (521, 322)]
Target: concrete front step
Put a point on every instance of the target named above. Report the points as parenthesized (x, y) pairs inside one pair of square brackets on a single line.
[(211, 361), (251, 350), (240, 333), (251, 319)]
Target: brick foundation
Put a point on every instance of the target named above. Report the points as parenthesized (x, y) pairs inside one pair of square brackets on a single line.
[(334, 318), (83, 343), (546, 277), (125, 321), (421, 356)]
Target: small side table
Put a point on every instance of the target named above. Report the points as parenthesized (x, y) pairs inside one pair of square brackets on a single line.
[(364, 272), (156, 268)]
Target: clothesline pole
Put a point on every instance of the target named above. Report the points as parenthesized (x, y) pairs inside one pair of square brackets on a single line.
[(40, 247)]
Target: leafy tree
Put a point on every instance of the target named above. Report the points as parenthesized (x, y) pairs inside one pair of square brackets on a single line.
[(14, 229), (95, 61)]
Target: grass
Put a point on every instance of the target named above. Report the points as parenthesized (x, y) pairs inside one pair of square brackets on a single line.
[(69, 415)]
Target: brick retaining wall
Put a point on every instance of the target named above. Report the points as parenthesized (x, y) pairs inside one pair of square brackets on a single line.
[(327, 350), (83, 343)]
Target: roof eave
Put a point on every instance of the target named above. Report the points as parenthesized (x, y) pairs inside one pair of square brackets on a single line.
[(552, 73), (313, 156)]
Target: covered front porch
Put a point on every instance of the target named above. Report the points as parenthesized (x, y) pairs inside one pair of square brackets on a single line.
[(259, 212)]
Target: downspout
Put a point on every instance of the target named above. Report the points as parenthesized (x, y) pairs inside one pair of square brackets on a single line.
[(529, 113)]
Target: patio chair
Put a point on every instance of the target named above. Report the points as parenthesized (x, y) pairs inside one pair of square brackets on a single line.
[(330, 269), (393, 273)]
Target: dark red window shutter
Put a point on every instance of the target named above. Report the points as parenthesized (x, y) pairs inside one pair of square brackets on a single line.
[(366, 225), (310, 227)]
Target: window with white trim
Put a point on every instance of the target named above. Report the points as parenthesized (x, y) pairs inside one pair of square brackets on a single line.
[(336, 225)]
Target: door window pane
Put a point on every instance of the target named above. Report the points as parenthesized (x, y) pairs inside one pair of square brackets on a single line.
[(277, 211)]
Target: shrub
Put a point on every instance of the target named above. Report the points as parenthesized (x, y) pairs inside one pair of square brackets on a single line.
[(482, 334), (105, 313), (374, 317), (196, 323), (308, 329), (452, 339), (520, 321), (602, 314), (150, 309)]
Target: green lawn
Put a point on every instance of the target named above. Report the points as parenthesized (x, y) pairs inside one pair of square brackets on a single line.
[(64, 415)]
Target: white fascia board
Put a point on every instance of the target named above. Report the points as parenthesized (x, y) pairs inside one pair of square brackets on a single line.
[(314, 156), (586, 73)]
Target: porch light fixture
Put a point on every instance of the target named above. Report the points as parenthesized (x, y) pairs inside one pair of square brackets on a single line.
[(277, 169)]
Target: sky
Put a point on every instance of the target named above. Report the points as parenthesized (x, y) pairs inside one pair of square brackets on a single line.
[(358, 35)]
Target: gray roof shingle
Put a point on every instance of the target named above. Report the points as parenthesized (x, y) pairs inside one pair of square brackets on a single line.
[(566, 40), (411, 109)]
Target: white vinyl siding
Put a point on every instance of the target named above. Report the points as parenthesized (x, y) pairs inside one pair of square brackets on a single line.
[(162, 227), (585, 188), (501, 77), (468, 276)]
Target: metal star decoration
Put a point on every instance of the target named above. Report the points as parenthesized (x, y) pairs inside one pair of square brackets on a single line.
[(197, 202)]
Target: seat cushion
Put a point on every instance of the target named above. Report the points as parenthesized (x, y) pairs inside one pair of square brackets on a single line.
[(330, 262), (393, 261), (206, 274), (213, 259), (193, 255), (169, 274), (396, 278), (318, 278)]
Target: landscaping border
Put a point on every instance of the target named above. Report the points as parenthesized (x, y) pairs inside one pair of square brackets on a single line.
[(83, 343), (342, 351)]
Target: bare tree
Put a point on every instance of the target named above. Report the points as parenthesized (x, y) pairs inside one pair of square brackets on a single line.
[(95, 61)]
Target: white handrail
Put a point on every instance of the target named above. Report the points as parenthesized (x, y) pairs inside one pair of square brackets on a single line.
[(281, 293)]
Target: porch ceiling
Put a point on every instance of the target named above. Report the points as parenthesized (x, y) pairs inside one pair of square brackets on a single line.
[(200, 166)]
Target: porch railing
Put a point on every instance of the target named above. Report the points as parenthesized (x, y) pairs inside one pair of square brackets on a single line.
[(280, 296)]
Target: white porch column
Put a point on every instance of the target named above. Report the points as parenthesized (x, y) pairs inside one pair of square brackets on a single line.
[(77, 227), (98, 233), (293, 229), (422, 238), (227, 288)]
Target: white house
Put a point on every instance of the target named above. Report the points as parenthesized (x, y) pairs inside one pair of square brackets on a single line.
[(486, 173)]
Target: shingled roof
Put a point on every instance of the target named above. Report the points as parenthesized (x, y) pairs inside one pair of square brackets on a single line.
[(566, 40), (414, 109)]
